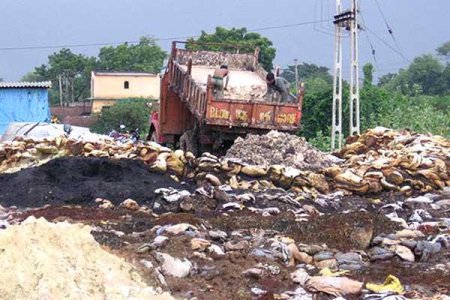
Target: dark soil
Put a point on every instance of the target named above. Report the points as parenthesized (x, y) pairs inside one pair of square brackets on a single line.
[(79, 180), (222, 278)]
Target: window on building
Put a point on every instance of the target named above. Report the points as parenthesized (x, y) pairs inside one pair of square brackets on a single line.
[(126, 85)]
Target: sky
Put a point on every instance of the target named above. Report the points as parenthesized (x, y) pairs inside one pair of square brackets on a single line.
[(419, 27)]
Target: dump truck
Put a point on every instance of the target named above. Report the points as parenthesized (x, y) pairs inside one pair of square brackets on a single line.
[(190, 109)]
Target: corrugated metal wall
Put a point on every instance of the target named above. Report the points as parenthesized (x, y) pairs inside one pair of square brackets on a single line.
[(23, 105)]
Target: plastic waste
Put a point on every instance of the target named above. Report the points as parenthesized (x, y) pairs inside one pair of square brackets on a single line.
[(391, 284), (328, 272)]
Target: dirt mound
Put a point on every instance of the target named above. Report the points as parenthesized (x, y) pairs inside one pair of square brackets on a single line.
[(80, 268), (79, 180), (278, 148)]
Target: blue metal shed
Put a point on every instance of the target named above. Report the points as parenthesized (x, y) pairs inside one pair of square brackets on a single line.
[(23, 102)]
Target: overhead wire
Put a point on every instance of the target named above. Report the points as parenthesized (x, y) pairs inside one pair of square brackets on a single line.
[(389, 28), (319, 28), (372, 48), (387, 44), (157, 39)]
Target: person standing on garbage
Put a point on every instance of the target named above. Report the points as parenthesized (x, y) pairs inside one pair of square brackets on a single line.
[(219, 75), (278, 85)]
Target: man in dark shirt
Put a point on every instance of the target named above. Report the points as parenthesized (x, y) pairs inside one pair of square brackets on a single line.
[(279, 85)]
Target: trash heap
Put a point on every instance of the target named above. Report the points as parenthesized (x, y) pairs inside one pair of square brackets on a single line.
[(379, 160), (384, 159), (227, 230), (278, 148), (42, 260)]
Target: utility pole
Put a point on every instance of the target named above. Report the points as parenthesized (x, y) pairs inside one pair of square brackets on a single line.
[(296, 75), (336, 126), (60, 91), (354, 75), (347, 20)]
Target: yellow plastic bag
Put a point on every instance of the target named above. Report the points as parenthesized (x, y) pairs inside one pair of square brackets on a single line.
[(328, 272), (391, 284)]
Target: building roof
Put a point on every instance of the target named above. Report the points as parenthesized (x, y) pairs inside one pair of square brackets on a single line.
[(26, 84), (124, 74)]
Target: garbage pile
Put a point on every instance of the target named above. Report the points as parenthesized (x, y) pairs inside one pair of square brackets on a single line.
[(278, 148), (384, 159), (241, 61), (42, 260), (226, 229), (28, 152), (379, 160)]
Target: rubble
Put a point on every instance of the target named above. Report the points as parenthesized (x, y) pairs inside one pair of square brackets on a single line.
[(130, 204), (230, 229), (403, 162), (278, 148), (80, 268), (173, 266), (384, 159)]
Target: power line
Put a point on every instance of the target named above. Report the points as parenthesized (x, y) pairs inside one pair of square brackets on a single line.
[(389, 28), (157, 39), (387, 44), (372, 48)]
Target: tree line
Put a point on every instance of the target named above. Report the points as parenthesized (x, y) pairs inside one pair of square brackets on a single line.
[(70, 73)]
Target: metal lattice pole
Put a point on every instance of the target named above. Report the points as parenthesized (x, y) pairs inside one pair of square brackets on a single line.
[(336, 126), (354, 75), (347, 20)]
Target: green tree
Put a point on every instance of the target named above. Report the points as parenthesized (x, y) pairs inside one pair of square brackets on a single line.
[(316, 111), (368, 75), (386, 78), (425, 75), (307, 71), (444, 50), (246, 41), (426, 71), (146, 56), (73, 70), (133, 113), (32, 76)]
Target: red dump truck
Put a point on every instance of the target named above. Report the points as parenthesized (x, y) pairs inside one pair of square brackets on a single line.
[(188, 102)]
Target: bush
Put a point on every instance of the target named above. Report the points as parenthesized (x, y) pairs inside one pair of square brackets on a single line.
[(133, 113), (419, 117), (321, 141)]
